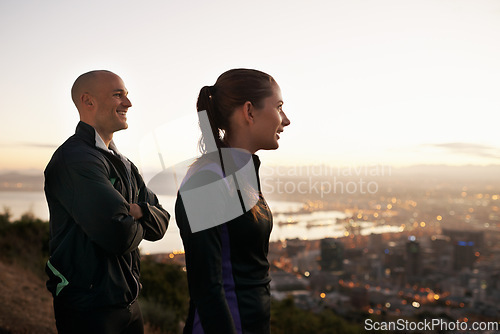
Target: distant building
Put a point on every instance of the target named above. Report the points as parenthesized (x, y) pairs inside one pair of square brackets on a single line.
[(394, 263), (465, 245), (332, 254), (283, 281), (321, 281), (474, 238), (295, 246), (359, 297), (393, 256), (375, 268), (463, 255), (375, 243), (440, 243), (413, 266)]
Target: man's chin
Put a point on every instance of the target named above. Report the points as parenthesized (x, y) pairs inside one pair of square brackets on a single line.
[(122, 127)]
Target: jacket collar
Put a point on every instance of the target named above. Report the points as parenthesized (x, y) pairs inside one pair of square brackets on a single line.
[(86, 132), (90, 136)]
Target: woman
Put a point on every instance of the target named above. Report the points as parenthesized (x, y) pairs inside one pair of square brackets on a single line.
[(223, 219)]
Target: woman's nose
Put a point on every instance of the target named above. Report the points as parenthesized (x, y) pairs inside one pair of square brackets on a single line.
[(284, 119)]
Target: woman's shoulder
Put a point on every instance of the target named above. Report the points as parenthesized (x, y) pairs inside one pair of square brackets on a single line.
[(204, 170)]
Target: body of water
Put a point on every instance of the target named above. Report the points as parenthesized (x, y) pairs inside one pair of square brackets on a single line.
[(288, 222), (21, 202)]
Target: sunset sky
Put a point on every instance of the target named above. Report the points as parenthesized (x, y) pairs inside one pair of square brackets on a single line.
[(364, 82)]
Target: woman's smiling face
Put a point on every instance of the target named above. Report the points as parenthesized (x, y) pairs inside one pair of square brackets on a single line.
[(270, 121)]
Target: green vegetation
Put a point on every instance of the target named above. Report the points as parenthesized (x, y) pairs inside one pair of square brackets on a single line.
[(286, 318), (164, 298), (24, 241)]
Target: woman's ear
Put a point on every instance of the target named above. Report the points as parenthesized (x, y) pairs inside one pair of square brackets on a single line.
[(248, 112)]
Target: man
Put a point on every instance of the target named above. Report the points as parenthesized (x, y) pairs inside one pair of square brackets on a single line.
[(100, 210)]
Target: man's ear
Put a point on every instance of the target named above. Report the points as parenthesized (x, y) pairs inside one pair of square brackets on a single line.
[(87, 100), (248, 112)]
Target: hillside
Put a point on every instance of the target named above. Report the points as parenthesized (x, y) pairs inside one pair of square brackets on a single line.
[(25, 303)]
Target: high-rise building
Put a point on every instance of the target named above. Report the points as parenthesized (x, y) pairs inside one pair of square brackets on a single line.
[(294, 246), (476, 237), (463, 255), (394, 256), (332, 254), (375, 243), (443, 252), (465, 245), (413, 260)]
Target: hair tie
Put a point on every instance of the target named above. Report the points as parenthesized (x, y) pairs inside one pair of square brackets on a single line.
[(211, 91)]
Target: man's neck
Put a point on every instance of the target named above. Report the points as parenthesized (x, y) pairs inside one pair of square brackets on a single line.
[(106, 138), (100, 141)]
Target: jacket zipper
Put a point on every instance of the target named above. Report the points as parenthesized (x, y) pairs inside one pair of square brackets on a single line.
[(136, 282), (130, 197)]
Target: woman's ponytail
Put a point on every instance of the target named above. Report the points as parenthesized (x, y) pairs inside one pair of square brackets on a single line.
[(212, 128)]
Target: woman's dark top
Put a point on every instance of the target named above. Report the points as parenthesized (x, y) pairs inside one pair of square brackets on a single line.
[(226, 257)]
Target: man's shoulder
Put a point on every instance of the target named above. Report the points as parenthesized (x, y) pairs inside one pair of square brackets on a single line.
[(76, 150)]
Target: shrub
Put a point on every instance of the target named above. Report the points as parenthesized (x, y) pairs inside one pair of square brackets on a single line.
[(164, 297)]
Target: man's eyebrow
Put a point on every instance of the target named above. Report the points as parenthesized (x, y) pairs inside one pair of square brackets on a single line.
[(120, 90)]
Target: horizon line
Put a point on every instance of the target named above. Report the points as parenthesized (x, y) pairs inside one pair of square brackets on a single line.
[(32, 171)]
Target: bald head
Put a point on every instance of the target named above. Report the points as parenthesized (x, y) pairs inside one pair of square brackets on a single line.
[(102, 102), (87, 83)]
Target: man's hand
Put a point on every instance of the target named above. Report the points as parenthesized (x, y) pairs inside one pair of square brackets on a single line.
[(135, 211)]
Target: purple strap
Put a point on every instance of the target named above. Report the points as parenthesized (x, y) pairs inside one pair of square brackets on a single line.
[(228, 284), (227, 277)]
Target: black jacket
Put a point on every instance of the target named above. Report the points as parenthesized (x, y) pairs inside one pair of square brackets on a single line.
[(94, 257), (227, 266)]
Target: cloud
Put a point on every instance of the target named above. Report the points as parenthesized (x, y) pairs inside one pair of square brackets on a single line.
[(40, 145), (472, 149), (29, 144)]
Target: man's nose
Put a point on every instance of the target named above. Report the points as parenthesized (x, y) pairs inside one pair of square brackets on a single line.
[(126, 102)]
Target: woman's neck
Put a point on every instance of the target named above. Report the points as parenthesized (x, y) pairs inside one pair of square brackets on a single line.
[(240, 142)]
